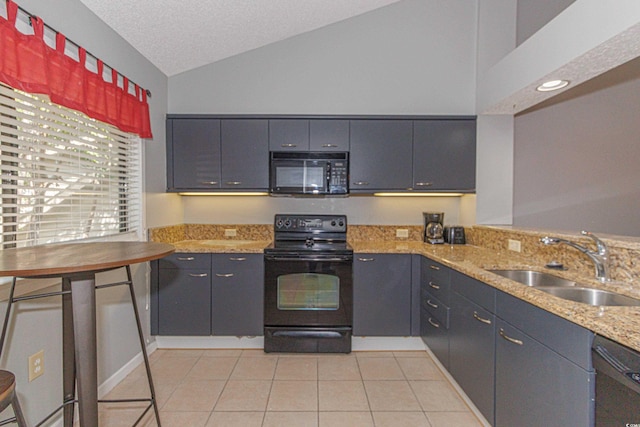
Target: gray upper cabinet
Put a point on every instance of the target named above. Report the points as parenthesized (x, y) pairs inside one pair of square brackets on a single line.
[(380, 155), (245, 154), (444, 155), (289, 135), (193, 154), (328, 135)]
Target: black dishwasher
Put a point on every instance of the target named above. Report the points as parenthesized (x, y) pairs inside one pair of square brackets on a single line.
[(617, 383)]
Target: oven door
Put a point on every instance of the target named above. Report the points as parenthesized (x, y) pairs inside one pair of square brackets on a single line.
[(311, 290)]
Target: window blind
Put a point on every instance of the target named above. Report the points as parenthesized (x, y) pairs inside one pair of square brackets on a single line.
[(64, 175)]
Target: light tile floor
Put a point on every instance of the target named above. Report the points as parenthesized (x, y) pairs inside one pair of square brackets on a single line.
[(251, 388)]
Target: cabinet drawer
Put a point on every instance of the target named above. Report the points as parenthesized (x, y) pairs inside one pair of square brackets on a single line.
[(435, 277), (474, 290), (566, 338), (186, 261), (435, 336), (435, 308)]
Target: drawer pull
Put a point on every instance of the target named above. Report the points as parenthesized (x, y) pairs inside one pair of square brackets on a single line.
[(329, 145), (480, 319), (508, 338), (189, 258), (434, 286), (198, 275), (288, 145), (434, 324), (423, 184), (361, 183), (366, 259), (224, 275), (434, 267), (237, 259), (234, 182), (209, 182), (430, 304)]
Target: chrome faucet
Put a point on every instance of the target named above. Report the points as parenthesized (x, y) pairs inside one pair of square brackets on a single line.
[(600, 258)]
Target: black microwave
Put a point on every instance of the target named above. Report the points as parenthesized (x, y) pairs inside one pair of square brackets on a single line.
[(309, 173)]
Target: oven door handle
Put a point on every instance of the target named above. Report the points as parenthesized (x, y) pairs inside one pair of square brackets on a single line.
[(309, 258)]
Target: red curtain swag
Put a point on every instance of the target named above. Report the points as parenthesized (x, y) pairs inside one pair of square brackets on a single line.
[(29, 64)]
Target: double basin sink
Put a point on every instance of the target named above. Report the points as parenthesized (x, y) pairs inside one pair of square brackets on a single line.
[(567, 289)]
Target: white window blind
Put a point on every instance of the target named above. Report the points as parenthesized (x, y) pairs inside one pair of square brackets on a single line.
[(64, 176)]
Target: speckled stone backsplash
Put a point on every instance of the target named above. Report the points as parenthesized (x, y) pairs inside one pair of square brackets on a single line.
[(383, 232), (177, 233), (624, 259)]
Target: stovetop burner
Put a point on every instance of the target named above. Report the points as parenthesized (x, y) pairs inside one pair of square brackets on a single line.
[(310, 233)]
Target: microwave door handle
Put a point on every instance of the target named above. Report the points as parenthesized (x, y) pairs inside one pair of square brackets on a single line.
[(328, 176)]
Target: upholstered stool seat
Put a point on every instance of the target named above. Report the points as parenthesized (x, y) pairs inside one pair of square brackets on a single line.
[(8, 397)]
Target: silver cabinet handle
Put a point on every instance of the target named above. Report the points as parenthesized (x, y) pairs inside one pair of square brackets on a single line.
[(434, 286), (329, 145), (198, 275), (288, 145), (237, 259), (366, 259), (480, 319), (434, 324), (430, 304), (224, 275), (209, 182), (189, 258), (234, 182), (423, 184), (434, 267), (508, 338), (360, 183)]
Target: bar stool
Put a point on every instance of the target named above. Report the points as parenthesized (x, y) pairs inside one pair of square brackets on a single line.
[(8, 397)]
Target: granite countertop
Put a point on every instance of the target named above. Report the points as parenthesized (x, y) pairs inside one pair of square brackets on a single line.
[(621, 324)]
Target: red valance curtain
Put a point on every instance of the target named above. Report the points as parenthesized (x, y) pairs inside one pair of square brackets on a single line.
[(29, 64)]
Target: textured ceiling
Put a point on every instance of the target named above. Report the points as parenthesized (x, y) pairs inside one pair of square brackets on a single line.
[(178, 36)]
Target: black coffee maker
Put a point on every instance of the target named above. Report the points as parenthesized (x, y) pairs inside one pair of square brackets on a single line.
[(433, 227)]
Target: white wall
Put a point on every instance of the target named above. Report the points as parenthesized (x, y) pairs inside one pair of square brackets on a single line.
[(37, 324)]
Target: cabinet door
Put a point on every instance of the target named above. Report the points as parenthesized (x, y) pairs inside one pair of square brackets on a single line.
[(382, 295), (193, 154), (435, 336), (237, 298), (245, 154), (535, 386), (380, 155), (329, 135), (184, 302), (472, 352), (289, 135), (444, 155)]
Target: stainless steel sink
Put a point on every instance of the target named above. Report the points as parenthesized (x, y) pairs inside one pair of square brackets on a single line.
[(534, 278), (591, 296)]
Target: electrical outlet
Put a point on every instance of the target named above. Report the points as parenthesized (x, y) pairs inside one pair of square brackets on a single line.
[(402, 232), (36, 365), (230, 232), (514, 245)]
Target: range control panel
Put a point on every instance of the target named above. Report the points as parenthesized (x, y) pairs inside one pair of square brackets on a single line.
[(311, 223)]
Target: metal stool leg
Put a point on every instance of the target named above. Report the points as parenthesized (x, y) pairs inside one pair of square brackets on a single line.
[(6, 315), (68, 354), (143, 346), (17, 411)]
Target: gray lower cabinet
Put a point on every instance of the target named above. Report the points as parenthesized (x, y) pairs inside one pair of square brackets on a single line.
[(472, 340), (193, 154), (237, 294), (434, 308), (543, 369), (181, 296), (207, 294), (380, 155), (444, 155), (382, 295)]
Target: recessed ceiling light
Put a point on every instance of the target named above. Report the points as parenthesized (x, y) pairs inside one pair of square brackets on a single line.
[(552, 85)]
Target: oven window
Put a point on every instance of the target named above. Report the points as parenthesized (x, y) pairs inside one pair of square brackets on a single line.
[(308, 291)]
